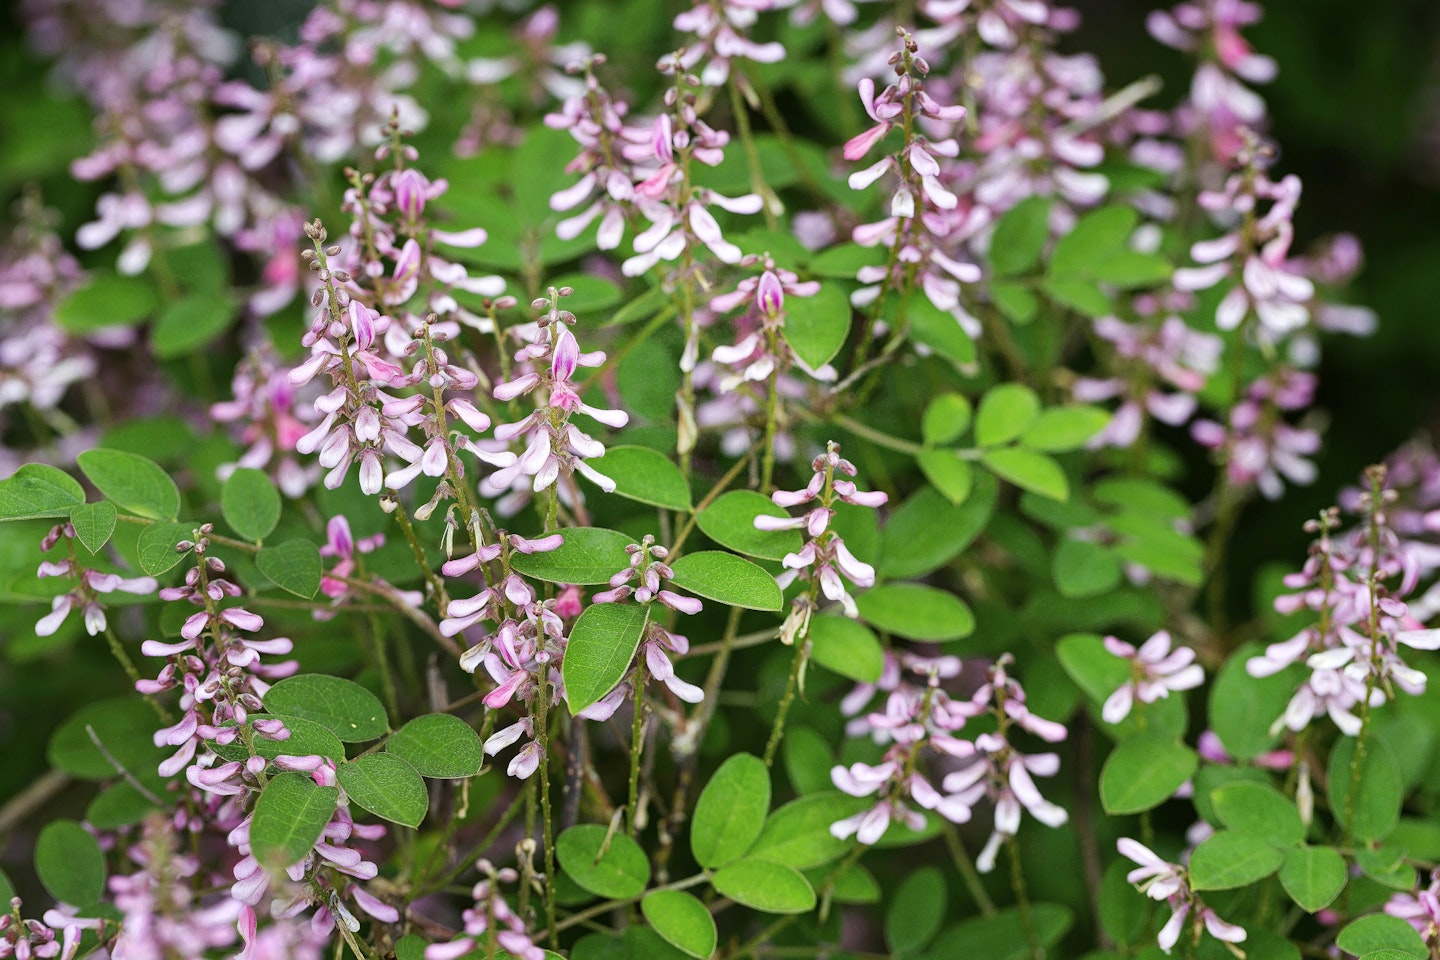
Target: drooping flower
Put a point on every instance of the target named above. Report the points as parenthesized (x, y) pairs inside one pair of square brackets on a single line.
[(1156, 670)]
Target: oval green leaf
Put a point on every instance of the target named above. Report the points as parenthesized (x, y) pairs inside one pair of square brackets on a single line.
[(816, 327), (847, 647), (1020, 237), (70, 863), (1004, 413), (798, 833), (289, 817), (155, 548), (1261, 811), (588, 556), (387, 786), (730, 522), (1230, 859), (726, 578), (945, 419), (342, 706), (916, 611), (39, 490), (1379, 787), (188, 324), (132, 482), (1064, 428), (645, 475), (1029, 470), (765, 886), (294, 566), (949, 474), (102, 734), (731, 811), (438, 745), (916, 912), (620, 870), (120, 805), (1144, 772), (682, 921), (926, 532), (250, 504), (93, 523), (602, 645), (1313, 876), (108, 300), (1380, 931), (1083, 569)]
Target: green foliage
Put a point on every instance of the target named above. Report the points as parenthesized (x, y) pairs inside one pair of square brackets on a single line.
[(730, 521), (816, 327), (1232, 858), (916, 912), (726, 578), (1367, 787), (588, 555), (602, 644), (38, 490), (107, 300), (250, 504), (134, 483), (1313, 876), (93, 524), (342, 706), (1143, 772), (438, 745), (916, 611), (294, 566), (646, 476), (607, 864), (682, 920), (1367, 935), (765, 885), (70, 864), (289, 816), (730, 812), (387, 786), (847, 647)]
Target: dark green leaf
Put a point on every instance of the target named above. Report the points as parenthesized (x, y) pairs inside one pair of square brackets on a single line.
[(1016, 302), (38, 490), (1005, 413), (589, 556), (948, 473), (294, 566), (1083, 569), (387, 786), (1143, 772), (847, 647), (731, 811), (307, 739), (726, 578), (1079, 295), (1003, 936), (1372, 786), (1260, 811), (289, 817), (1029, 470), (939, 331), (1020, 237), (645, 475), (619, 871), (602, 645), (1231, 859), (188, 324), (816, 327), (1313, 876), (917, 911), (845, 260), (730, 522), (798, 833), (120, 805), (1095, 237), (438, 745), (765, 886), (155, 548), (916, 611), (70, 864), (133, 482), (93, 523), (682, 921), (122, 725), (926, 531), (342, 706), (1244, 708), (107, 300), (1380, 931), (250, 504)]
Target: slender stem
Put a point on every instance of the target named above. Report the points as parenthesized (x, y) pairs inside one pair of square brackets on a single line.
[(968, 874), (437, 586), (637, 745), (1022, 899), (777, 732), (542, 734), (769, 202)]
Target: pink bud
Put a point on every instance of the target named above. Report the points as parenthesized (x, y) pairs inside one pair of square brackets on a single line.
[(769, 295), (410, 193)]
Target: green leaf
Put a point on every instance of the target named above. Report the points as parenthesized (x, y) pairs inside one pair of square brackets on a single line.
[(1313, 876), (133, 482), (1003, 936), (939, 331), (798, 832), (289, 817), (307, 738), (916, 912), (765, 886), (948, 473), (1095, 237), (108, 300), (1380, 931), (438, 745), (731, 810), (1083, 569), (588, 294), (645, 475), (70, 864), (1020, 237), (1005, 413), (250, 504), (853, 884), (1064, 428), (1260, 811), (93, 523), (294, 566), (730, 522), (1131, 269), (726, 578), (588, 556), (122, 725), (120, 805), (155, 547), (342, 706), (807, 758), (816, 327), (387, 786), (188, 324), (38, 490), (602, 645), (682, 921), (1379, 787), (1143, 772), (1016, 301), (1244, 708), (847, 647), (916, 611), (946, 418), (621, 872), (1099, 672), (926, 531), (1079, 295), (1029, 470), (1230, 859)]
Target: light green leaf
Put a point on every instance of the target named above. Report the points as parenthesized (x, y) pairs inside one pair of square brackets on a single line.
[(1058, 429), (948, 473), (289, 817), (946, 418), (387, 786), (730, 522), (1016, 301), (1006, 411), (70, 864), (250, 504), (938, 330), (1260, 811), (1131, 269), (294, 566), (917, 911), (619, 871), (1143, 772), (1380, 931), (588, 294), (682, 921), (916, 611), (121, 725), (1313, 876), (39, 490), (438, 745), (602, 645), (1095, 237), (1081, 296), (1020, 237), (1243, 708), (588, 556), (798, 832), (1379, 787), (186, 325), (133, 482), (155, 547), (765, 886), (926, 531), (93, 523), (1230, 859), (1083, 569), (645, 475), (342, 706), (845, 260), (847, 647), (108, 300), (1029, 470), (731, 810), (853, 884), (816, 327), (1003, 936), (726, 578)]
